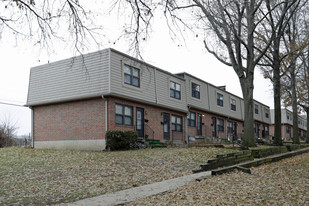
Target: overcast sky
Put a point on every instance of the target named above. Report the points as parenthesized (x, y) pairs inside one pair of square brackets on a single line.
[(160, 51)]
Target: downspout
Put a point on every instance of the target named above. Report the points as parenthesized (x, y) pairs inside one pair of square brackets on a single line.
[(106, 115), (208, 108), (186, 138), (208, 97), (32, 128), (109, 71), (155, 79)]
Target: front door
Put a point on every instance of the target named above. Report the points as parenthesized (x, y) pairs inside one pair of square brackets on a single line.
[(140, 121), (214, 127), (257, 130), (235, 129), (166, 126), (199, 124)]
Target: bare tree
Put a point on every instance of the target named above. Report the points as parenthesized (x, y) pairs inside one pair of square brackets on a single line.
[(295, 40), (43, 22), (280, 13), (303, 89), (8, 129)]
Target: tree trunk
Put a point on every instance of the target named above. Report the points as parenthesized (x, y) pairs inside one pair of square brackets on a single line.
[(307, 132), (294, 107), (277, 101), (247, 90)]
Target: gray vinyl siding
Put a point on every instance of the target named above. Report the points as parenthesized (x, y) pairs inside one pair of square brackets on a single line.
[(163, 91), (226, 109), (284, 120), (261, 115), (74, 78), (201, 103), (154, 83), (146, 91)]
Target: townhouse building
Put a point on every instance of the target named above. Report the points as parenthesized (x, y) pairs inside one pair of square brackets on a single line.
[(287, 124), (75, 101)]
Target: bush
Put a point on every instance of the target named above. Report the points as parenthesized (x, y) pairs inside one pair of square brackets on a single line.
[(120, 140)]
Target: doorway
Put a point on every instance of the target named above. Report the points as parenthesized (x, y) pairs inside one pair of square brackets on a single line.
[(140, 121), (166, 126), (199, 124), (214, 127)]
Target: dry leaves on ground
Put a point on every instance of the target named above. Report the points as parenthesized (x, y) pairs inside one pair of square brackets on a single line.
[(282, 183), (42, 177)]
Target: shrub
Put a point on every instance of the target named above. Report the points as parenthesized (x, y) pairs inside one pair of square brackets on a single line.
[(120, 140)]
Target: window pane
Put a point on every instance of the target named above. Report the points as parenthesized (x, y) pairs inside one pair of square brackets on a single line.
[(177, 95), (172, 93), (118, 109), (178, 120), (173, 127), (197, 88), (135, 81), (172, 85), (128, 111), (165, 126), (192, 115), (119, 119), (127, 79), (136, 72), (173, 119), (178, 87), (127, 69), (178, 128), (127, 120)]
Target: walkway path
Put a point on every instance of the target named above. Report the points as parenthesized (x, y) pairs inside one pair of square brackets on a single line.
[(136, 193), (132, 194)]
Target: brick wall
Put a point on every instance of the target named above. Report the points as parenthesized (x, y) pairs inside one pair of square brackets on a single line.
[(207, 126), (154, 115), (79, 120)]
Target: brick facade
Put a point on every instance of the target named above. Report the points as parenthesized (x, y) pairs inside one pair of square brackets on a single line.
[(85, 120), (79, 120), (153, 124), (209, 130), (287, 131)]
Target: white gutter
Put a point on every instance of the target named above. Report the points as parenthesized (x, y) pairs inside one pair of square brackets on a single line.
[(32, 129)]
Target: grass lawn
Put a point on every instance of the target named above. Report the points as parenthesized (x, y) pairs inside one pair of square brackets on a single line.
[(282, 183), (41, 177)]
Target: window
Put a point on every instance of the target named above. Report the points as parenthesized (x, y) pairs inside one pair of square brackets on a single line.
[(191, 119), (220, 124), (288, 116), (229, 127), (266, 113), (175, 90), (288, 129), (124, 114), (220, 99), (256, 109), (233, 104), (176, 123), (131, 76), (195, 90)]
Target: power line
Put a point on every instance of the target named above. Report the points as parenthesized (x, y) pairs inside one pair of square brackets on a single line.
[(17, 105)]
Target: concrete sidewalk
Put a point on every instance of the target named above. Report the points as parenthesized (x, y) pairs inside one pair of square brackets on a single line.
[(136, 193)]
